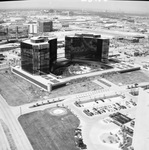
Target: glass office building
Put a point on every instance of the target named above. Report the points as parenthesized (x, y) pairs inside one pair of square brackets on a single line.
[(86, 46), (45, 26), (38, 55)]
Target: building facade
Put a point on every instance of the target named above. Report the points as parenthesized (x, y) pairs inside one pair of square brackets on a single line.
[(32, 28), (86, 46), (38, 55), (45, 26), (13, 31)]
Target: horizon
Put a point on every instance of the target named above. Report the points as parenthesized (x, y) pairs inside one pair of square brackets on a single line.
[(100, 5)]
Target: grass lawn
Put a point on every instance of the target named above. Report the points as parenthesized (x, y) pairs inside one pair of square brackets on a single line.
[(18, 91), (128, 78), (48, 132), (75, 87)]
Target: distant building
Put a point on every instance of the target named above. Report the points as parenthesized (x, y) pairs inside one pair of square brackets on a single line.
[(132, 39), (139, 37), (86, 46), (45, 26), (65, 24), (2, 57), (38, 55), (14, 31), (3, 31), (32, 28), (2, 21)]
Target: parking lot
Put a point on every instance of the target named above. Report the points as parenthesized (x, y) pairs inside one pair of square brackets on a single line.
[(105, 105)]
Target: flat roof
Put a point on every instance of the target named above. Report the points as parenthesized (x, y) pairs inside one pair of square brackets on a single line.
[(45, 21), (32, 43), (87, 35), (128, 124), (29, 41)]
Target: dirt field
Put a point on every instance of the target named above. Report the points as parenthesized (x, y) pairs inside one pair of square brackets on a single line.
[(48, 132), (76, 87), (18, 91), (129, 78)]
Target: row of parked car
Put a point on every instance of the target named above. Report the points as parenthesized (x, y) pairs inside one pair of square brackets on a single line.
[(130, 103), (45, 103), (109, 108), (77, 104)]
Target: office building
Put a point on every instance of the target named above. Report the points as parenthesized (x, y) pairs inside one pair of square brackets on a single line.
[(45, 26), (3, 31), (13, 31), (86, 46), (32, 28), (38, 55)]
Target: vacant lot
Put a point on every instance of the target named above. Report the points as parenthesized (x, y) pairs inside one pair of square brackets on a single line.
[(78, 86), (47, 132), (128, 78), (18, 91)]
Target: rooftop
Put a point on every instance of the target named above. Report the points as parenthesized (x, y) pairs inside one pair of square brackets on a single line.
[(39, 40), (87, 35), (43, 21)]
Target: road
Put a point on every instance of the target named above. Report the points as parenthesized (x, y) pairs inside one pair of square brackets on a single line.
[(12, 135)]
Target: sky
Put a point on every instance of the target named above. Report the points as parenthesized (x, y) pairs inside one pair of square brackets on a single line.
[(108, 5)]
